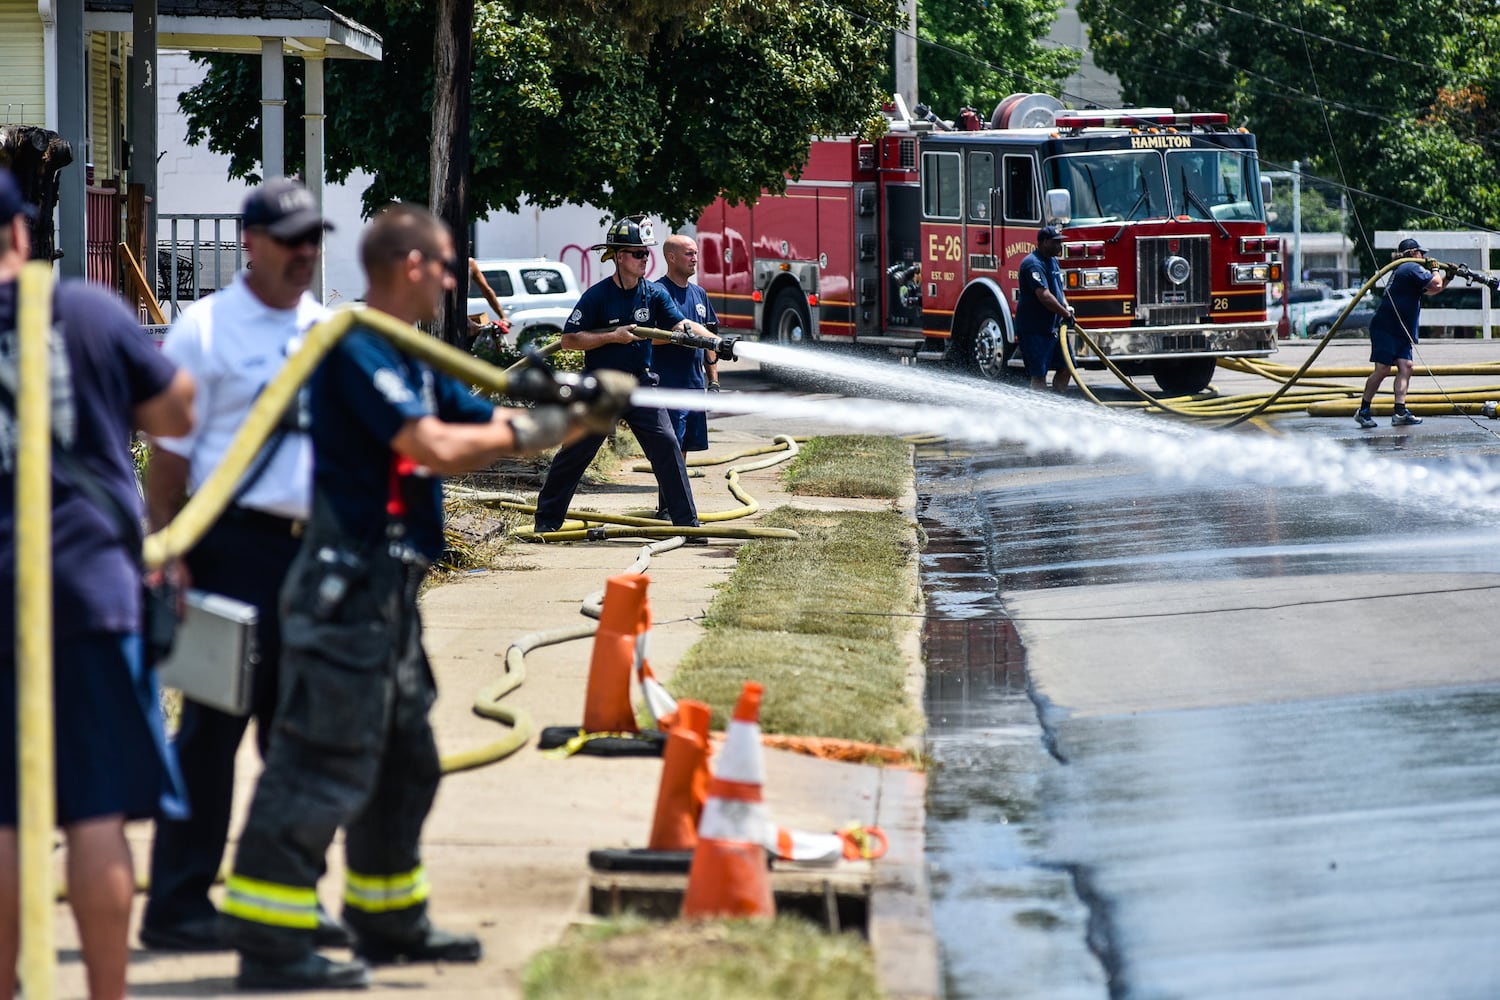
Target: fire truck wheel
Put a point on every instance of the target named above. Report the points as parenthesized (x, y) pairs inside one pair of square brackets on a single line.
[(1184, 376), (984, 349), (789, 322)]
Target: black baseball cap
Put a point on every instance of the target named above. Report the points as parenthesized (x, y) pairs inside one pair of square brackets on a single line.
[(283, 208), (1408, 245), (1048, 233), (12, 202)]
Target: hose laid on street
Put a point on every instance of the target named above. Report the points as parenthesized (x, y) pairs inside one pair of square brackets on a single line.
[(1300, 390)]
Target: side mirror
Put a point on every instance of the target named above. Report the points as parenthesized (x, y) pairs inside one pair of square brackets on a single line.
[(1265, 192), (1059, 207)]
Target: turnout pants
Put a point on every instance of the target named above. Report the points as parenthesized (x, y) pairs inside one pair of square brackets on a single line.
[(351, 748), (244, 555), (653, 429)]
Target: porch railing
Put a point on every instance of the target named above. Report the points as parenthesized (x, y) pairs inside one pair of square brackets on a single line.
[(196, 255)]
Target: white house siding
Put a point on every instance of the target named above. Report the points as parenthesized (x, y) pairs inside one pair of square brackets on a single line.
[(23, 98)]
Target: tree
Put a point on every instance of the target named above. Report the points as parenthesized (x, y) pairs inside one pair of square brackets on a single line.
[(1318, 215), (567, 109), (1378, 98), (974, 54)]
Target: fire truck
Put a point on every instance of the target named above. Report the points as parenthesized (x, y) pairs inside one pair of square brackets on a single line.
[(912, 242)]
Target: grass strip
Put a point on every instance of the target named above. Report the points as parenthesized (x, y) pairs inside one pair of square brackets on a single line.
[(632, 959), (818, 622), (851, 465)]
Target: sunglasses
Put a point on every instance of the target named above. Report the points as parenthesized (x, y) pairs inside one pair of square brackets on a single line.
[(637, 254), (312, 237)]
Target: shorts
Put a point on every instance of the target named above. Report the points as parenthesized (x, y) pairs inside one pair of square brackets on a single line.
[(112, 757), (1387, 348), (1039, 351)]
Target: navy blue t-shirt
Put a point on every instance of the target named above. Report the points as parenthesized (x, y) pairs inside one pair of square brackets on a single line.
[(682, 367), (1400, 309), (108, 365), (606, 305), (1032, 317), (362, 394)]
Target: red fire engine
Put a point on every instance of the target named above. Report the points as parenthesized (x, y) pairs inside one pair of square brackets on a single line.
[(913, 242)]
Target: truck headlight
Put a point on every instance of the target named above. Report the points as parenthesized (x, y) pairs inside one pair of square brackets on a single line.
[(1249, 274), (1093, 278)]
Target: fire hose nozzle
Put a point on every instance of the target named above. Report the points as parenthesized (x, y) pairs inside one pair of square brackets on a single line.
[(725, 350)]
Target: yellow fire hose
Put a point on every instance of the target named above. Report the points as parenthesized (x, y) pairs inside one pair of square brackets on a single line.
[(486, 704), (36, 800), (1300, 390)]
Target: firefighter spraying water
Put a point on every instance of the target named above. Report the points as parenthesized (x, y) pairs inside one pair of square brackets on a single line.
[(912, 242)]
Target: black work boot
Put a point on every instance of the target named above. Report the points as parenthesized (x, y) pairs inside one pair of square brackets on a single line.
[(330, 933), (309, 972), (426, 944)]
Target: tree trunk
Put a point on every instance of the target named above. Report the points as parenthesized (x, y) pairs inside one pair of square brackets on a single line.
[(453, 70)]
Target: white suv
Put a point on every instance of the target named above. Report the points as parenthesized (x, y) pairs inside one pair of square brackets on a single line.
[(538, 294)]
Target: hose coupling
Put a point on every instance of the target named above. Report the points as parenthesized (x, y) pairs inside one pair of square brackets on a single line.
[(1490, 409), (543, 385)]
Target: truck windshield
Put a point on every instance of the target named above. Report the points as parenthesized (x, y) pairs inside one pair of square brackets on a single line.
[(1217, 183), (1203, 183), (1111, 186)]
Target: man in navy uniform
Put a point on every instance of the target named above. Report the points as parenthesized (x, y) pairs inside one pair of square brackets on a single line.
[(680, 366), (1393, 333), (1041, 308), (602, 326), (352, 746), (112, 761)]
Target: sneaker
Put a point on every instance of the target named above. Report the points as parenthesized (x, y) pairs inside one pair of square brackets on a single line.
[(1363, 418), (1407, 419), (310, 972)]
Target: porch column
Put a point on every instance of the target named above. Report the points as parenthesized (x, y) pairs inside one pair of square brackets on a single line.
[(312, 131), (272, 109), (72, 125), (142, 113)]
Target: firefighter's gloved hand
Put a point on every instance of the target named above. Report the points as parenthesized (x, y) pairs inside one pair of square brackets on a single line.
[(713, 387), (604, 409), (539, 428)]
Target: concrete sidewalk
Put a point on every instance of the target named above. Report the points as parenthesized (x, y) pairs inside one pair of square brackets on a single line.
[(506, 845)]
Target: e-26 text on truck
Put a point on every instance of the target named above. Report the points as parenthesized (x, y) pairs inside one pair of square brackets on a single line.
[(913, 241)]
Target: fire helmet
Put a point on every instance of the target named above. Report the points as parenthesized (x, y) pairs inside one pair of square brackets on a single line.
[(623, 234)]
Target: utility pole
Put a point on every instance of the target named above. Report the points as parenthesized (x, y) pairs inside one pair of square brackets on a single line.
[(1296, 222), (452, 75), (906, 54)]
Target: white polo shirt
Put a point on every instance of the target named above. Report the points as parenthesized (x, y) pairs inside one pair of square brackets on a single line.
[(233, 344)]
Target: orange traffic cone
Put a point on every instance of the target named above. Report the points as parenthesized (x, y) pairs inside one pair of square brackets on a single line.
[(728, 877), (684, 780), (623, 622)]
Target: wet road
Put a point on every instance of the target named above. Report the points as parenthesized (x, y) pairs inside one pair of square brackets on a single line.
[(1212, 741)]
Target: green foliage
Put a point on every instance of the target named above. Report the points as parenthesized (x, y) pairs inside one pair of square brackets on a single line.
[(980, 52), (1392, 100), (1318, 214), (568, 108)]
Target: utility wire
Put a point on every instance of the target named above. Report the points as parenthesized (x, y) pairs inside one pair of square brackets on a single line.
[(1283, 26)]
